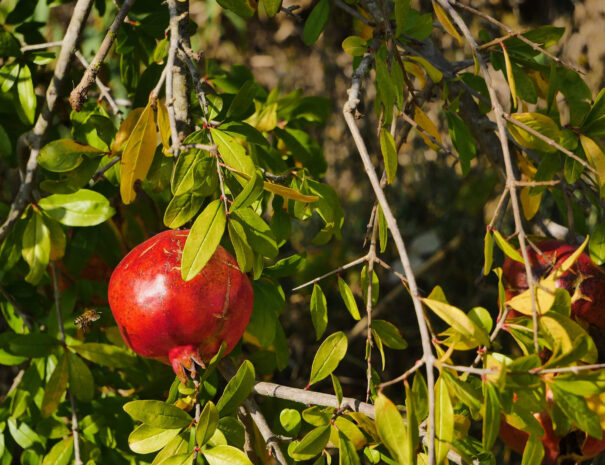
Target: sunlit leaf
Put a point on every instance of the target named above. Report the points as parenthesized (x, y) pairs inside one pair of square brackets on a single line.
[(82, 208), (446, 23), (157, 414), (319, 311), (328, 356)]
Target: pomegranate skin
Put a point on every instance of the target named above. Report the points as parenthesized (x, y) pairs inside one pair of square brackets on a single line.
[(182, 323), (584, 281)]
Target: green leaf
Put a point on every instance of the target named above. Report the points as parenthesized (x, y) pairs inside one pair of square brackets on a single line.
[(146, 439), (27, 96), (179, 459), (421, 396), (458, 320), (203, 239), (597, 244), (510, 77), (354, 46), (402, 8), (463, 141), (508, 249), (9, 46), (312, 443), (328, 356), (8, 76), (242, 100), (243, 252), (384, 85), (444, 421), (319, 311), (226, 455), (60, 453), (389, 334), (23, 435), (36, 247), (347, 453), (364, 285), (243, 8), (337, 388), (413, 439), (207, 424), (82, 208), (181, 209), (290, 420), (491, 416), (533, 452), (540, 123), (105, 354), (81, 382), (56, 386), (64, 155), (383, 230), (233, 153), (6, 147), (252, 191), (258, 233), (157, 414), (271, 7), (488, 252), (389, 154), (391, 428), (594, 123), (238, 389), (349, 299), (316, 22), (576, 409), (175, 447)]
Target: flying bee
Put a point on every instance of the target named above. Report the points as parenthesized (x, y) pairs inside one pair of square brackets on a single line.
[(85, 321)]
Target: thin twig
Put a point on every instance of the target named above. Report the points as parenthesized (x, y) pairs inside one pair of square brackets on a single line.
[(353, 12), (340, 269), (172, 51), (80, 93), (428, 357), (420, 129), (419, 364), (504, 27), (30, 48), (72, 400), (369, 341), (464, 369), (36, 138), (510, 176), (99, 174), (105, 90)]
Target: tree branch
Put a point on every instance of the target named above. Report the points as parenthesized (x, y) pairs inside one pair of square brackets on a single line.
[(36, 138), (80, 93)]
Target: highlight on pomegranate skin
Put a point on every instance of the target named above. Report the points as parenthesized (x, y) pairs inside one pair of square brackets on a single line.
[(177, 322)]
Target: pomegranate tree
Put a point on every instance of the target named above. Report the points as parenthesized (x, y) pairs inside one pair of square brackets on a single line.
[(182, 323), (584, 281)]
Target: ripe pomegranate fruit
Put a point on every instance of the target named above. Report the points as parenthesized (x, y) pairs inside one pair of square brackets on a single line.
[(182, 323), (584, 281)]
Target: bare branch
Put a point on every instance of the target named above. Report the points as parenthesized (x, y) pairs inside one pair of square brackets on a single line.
[(105, 91), (357, 261), (35, 139), (80, 93), (419, 364), (30, 48)]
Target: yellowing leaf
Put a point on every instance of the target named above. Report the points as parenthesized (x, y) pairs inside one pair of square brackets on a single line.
[(138, 154), (545, 296), (597, 404), (569, 261), (446, 23), (595, 155), (539, 123), (425, 123), (433, 72), (510, 76), (126, 129), (458, 320), (164, 127), (530, 203), (416, 71)]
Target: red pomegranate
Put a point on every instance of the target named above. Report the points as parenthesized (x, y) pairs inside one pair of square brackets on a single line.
[(163, 317), (584, 281)]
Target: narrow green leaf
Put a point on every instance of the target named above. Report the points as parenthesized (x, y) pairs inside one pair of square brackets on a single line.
[(347, 453), (60, 453), (181, 209), (491, 416), (238, 388), (413, 439), (243, 252), (597, 244), (389, 154), (313, 442), (243, 8), (82, 208), (233, 153), (533, 452), (226, 455), (252, 191), (390, 334), (319, 311), (383, 230), (203, 239), (337, 388), (258, 233), (349, 299), (271, 7), (463, 141), (36, 247), (391, 428), (81, 382), (207, 424), (488, 252), (328, 356), (444, 421), (316, 22), (402, 8), (157, 414), (8, 76), (27, 96), (146, 439), (242, 100), (508, 249), (105, 354), (56, 386), (510, 76)]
